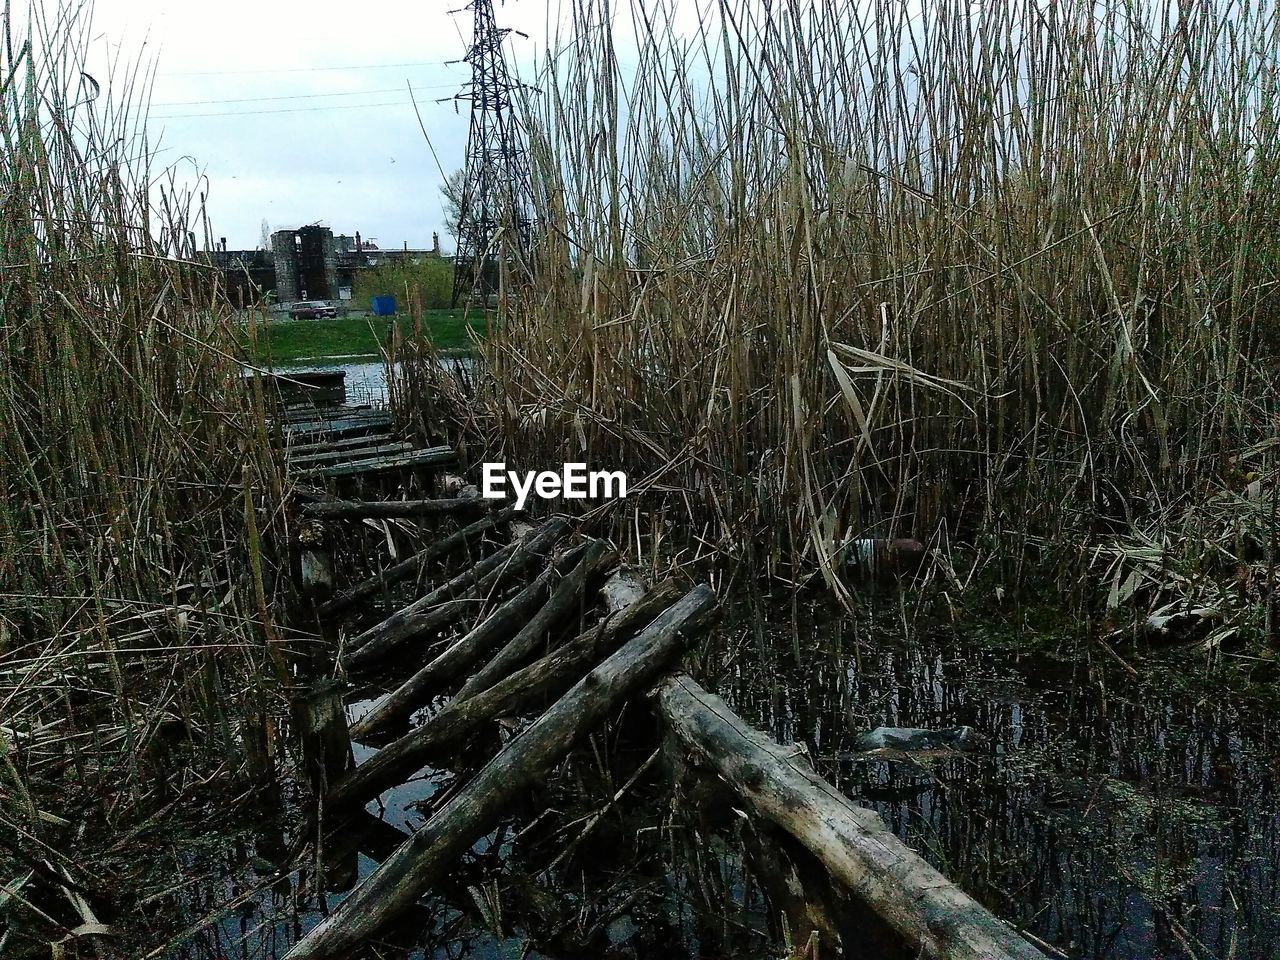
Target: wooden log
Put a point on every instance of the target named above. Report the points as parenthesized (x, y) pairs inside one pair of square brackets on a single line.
[(415, 460), (370, 450), (440, 605), (461, 656), (387, 509), (394, 887), (564, 599), (933, 916), (321, 718), (458, 719), (411, 566)]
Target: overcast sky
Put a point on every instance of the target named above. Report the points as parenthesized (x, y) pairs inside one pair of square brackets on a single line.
[(298, 112)]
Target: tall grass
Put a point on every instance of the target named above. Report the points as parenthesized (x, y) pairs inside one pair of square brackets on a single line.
[(136, 483), (1000, 273)]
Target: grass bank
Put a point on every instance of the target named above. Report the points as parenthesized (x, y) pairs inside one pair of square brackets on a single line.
[(361, 335)]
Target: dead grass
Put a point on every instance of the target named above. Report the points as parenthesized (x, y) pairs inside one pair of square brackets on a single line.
[(138, 492), (1003, 275)]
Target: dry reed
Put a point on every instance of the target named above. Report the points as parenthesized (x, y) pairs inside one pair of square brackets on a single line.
[(135, 479), (999, 274)]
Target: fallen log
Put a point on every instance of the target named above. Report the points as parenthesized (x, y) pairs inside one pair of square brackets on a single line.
[(564, 599), (462, 655), (388, 509), (367, 452), (933, 916), (417, 459), (458, 719), (394, 887), (410, 567), (441, 605)]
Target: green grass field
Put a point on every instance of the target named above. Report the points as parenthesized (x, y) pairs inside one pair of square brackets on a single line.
[(358, 335)]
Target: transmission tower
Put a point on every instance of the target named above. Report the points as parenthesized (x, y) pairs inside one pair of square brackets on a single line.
[(496, 187)]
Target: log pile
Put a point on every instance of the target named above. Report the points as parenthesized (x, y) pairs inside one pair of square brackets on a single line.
[(522, 631)]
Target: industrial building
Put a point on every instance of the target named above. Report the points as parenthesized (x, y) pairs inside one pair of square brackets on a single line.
[(309, 263)]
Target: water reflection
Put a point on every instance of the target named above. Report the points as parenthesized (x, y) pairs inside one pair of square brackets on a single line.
[(1113, 818)]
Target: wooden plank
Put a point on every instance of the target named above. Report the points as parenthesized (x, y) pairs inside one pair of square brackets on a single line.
[(317, 430), (934, 917), (455, 660), (416, 460), (469, 814), (372, 448), (322, 446)]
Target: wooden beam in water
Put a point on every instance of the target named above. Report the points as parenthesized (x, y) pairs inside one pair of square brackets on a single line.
[(472, 648), (564, 599), (459, 719), (470, 813), (933, 916), (373, 448), (414, 460)]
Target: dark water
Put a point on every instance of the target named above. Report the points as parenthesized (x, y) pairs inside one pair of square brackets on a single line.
[(1113, 817)]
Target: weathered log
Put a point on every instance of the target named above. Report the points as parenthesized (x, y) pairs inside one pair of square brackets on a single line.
[(441, 605), (411, 566), (377, 448), (418, 459), (621, 590), (932, 915), (471, 812), (550, 676), (564, 599), (387, 509), (460, 656)]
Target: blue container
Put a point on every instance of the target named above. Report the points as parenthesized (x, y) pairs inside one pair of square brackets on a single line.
[(383, 306)]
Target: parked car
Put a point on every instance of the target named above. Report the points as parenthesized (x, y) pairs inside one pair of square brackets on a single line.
[(313, 310)]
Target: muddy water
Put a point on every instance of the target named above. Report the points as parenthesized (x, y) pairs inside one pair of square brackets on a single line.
[(1113, 817)]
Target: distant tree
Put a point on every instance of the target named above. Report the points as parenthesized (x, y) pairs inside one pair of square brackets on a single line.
[(429, 282), (452, 190), (265, 239)]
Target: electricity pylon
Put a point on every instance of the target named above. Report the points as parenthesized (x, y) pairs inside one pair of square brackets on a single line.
[(496, 188)]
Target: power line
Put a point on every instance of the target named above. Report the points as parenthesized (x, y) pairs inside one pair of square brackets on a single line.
[(350, 66), (255, 113), (302, 96)]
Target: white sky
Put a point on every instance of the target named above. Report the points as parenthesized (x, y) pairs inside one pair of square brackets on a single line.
[(365, 166)]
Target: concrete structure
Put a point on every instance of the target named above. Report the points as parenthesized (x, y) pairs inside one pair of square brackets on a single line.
[(309, 263)]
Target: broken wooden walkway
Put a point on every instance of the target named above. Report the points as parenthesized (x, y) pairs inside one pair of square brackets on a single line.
[(492, 619)]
